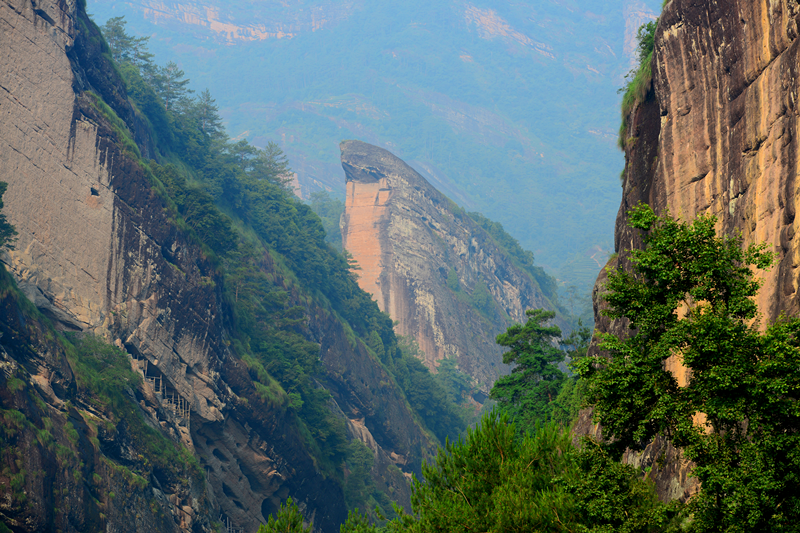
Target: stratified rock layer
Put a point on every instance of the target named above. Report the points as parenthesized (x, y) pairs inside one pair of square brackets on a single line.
[(97, 252), (407, 238), (717, 135)]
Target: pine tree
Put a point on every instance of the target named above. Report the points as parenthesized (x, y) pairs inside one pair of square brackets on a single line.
[(170, 85), (536, 379)]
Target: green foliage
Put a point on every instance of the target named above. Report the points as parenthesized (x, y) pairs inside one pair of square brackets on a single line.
[(456, 383), (121, 129), (481, 299), (452, 281), (358, 485), (428, 397), (496, 480), (690, 296), (7, 231), (521, 258), (329, 210), (639, 79), (357, 523), (288, 520), (125, 48), (535, 380), (104, 376)]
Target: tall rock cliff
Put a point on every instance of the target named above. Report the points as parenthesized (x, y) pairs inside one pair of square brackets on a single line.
[(99, 252), (440, 275), (717, 134)]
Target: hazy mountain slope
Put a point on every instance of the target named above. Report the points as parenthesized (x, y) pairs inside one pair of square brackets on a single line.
[(240, 335), (509, 109), (443, 279)]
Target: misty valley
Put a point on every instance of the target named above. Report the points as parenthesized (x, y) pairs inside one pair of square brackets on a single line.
[(361, 267)]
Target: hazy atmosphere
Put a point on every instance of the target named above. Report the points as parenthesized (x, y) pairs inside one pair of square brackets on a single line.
[(350, 266), (510, 109)]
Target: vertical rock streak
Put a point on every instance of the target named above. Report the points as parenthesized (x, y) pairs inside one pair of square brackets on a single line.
[(407, 238)]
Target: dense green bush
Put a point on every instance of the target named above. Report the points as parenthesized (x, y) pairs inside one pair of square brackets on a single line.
[(496, 480)]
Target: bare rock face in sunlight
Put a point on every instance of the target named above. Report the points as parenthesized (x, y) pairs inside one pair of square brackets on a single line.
[(717, 135), (430, 266)]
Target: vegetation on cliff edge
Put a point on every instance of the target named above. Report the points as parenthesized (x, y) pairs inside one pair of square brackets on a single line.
[(689, 298), (271, 252), (640, 79)]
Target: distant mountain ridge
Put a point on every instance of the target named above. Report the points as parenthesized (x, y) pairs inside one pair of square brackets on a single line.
[(503, 107)]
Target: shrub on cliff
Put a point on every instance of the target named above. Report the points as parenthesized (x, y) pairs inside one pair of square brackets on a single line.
[(690, 298), (7, 231), (639, 79)]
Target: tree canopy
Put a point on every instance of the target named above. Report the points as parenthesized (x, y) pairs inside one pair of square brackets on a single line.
[(537, 390), (689, 298), (496, 480)]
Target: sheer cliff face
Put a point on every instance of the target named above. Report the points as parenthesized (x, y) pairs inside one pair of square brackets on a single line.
[(407, 238), (720, 130), (718, 135), (98, 253)]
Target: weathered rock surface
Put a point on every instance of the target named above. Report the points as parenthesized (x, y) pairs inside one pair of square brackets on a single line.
[(717, 135), (98, 253), (407, 238)]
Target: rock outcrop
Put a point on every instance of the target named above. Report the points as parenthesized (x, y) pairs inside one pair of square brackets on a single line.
[(98, 253), (423, 259), (717, 134)]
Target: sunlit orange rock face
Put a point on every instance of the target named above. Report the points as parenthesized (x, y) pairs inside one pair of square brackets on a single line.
[(718, 135), (407, 238)]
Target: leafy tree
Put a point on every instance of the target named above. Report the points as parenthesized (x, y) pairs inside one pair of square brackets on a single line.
[(208, 119), (359, 484), (457, 384), (356, 523), (7, 231), (481, 299), (535, 380), (689, 297), (426, 394), (125, 48), (288, 520)]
